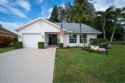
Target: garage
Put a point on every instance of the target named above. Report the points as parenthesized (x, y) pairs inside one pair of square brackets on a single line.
[(30, 40)]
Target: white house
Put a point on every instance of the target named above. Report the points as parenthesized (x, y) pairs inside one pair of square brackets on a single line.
[(41, 30)]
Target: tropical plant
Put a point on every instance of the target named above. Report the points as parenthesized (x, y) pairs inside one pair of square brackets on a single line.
[(104, 16), (82, 10), (118, 14)]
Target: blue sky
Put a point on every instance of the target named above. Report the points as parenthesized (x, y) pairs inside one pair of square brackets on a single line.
[(14, 13)]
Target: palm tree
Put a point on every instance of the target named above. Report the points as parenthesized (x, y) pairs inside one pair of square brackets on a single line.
[(117, 13), (82, 9), (104, 16)]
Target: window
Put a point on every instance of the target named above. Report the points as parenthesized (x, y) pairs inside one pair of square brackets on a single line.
[(84, 38), (72, 38)]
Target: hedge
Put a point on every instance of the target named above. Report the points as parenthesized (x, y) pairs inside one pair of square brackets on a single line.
[(5, 41), (96, 41), (60, 45), (15, 40), (17, 45), (40, 45)]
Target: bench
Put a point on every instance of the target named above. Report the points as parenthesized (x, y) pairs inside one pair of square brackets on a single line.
[(103, 47)]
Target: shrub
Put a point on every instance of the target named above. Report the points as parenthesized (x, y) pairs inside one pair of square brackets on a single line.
[(75, 46), (60, 45), (15, 39), (96, 41), (58, 40), (17, 45), (40, 45), (67, 46), (5, 41)]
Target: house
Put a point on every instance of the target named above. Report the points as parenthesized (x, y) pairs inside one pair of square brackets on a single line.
[(5, 32), (42, 30)]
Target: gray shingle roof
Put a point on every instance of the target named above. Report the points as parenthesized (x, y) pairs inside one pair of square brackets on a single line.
[(74, 27)]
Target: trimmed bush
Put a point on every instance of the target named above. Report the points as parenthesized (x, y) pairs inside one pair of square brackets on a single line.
[(17, 45), (60, 45), (15, 40), (5, 41), (40, 45), (67, 46), (97, 41)]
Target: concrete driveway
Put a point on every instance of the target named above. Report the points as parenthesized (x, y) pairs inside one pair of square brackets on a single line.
[(27, 65)]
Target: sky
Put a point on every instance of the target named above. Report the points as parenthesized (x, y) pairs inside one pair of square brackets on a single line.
[(14, 13)]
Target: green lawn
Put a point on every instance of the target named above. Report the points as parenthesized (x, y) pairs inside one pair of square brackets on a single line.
[(76, 65), (6, 49)]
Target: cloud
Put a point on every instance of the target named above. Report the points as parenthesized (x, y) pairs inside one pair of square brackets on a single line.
[(24, 4), (10, 26), (62, 5), (101, 5), (3, 1), (17, 12), (119, 3), (9, 7), (49, 13), (50, 10), (4, 10)]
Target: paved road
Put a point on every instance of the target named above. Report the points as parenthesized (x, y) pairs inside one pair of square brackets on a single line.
[(27, 65)]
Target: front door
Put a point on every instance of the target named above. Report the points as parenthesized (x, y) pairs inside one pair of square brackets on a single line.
[(52, 39)]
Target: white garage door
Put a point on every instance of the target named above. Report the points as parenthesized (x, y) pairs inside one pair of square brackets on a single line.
[(30, 40)]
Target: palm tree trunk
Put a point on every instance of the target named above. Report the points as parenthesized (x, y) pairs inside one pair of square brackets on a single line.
[(104, 32), (104, 29), (81, 34), (112, 34)]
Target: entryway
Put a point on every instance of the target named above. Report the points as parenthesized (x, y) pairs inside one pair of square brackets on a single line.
[(52, 39)]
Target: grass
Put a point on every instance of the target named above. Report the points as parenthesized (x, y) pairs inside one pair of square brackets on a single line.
[(76, 65), (6, 49)]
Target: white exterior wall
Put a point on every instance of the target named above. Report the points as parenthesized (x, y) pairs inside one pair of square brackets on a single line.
[(36, 27), (44, 28), (66, 40), (41, 27)]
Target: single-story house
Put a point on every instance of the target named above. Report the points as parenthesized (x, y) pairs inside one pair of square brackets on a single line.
[(42, 30), (5, 32)]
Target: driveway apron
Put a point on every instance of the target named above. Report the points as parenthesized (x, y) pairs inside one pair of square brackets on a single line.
[(27, 65)]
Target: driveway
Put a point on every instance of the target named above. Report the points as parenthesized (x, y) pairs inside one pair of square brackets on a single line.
[(27, 65)]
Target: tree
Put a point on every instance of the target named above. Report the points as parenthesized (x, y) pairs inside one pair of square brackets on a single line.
[(117, 14), (119, 33), (54, 15), (81, 10), (62, 12), (104, 16)]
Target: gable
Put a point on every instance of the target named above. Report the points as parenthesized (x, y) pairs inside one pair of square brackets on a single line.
[(39, 25)]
